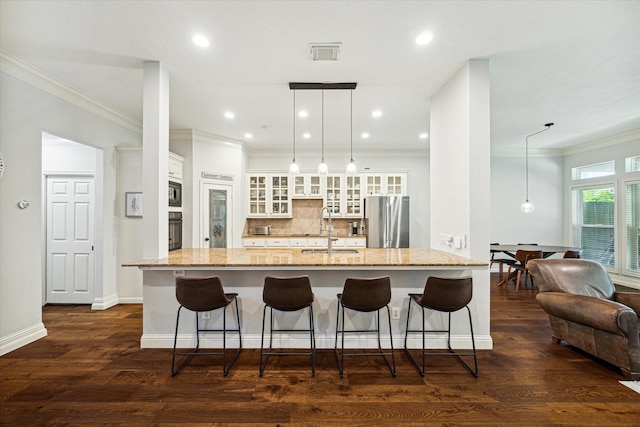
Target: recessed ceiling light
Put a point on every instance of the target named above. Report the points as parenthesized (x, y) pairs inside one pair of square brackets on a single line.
[(229, 115), (306, 135), (303, 114), (364, 135), (424, 135), (376, 113), (248, 135), (424, 38), (200, 40)]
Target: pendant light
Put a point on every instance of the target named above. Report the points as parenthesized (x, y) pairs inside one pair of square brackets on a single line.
[(351, 166), (294, 169), (527, 206), (323, 169)]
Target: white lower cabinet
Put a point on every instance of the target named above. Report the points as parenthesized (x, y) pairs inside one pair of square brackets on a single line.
[(277, 243), (253, 243), (308, 242)]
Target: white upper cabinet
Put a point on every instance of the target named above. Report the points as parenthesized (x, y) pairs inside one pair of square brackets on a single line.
[(385, 184), (257, 185), (354, 192), (307, 186), (280, 198), (175, 167), (269, 195)]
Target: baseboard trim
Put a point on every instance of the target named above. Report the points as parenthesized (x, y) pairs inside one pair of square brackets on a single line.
[(105, 303), (22, 338)]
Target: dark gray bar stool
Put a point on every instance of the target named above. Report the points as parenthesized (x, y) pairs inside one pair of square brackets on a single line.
[(287, 294), (446, 295), (202, 294), (365, 295)]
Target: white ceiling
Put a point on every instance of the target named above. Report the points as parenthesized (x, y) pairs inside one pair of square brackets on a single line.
[(575, 63)]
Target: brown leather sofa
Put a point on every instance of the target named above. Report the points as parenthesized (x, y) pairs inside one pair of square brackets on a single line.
[(586, 311)]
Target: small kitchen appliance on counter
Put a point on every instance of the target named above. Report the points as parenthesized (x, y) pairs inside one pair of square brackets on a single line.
[(262, 230)]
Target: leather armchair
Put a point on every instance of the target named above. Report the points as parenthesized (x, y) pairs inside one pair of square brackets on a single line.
[(586, 311)]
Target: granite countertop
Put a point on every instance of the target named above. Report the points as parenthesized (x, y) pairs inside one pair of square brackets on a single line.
[(294, 257), (306, 235)]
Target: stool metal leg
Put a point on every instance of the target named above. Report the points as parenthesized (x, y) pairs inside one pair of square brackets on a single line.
[(264, 355), (451, 352), (340, 353)]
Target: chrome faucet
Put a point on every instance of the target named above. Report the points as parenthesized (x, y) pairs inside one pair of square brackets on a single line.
[(329, 229)]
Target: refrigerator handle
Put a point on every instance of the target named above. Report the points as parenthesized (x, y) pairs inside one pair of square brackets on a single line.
[(387, 226)]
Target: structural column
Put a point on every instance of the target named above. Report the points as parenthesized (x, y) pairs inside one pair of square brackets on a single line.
[(460, 174), (155, 160)]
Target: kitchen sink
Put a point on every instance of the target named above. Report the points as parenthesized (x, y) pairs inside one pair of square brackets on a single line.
[(335, 251)]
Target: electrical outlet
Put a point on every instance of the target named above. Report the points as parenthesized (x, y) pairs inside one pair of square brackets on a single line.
[(395, 312), (206, 315)]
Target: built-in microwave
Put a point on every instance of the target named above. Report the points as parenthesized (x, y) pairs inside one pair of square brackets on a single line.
[(175, 194)]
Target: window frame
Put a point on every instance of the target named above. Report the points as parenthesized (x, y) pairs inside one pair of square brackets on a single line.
[(632, 178), (595, 184)]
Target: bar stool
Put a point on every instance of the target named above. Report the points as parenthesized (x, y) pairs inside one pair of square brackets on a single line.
[(446, 295), (364, 295), (201, 294), (287, 294)]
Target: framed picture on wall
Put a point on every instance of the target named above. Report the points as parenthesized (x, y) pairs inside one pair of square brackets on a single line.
[(133, 205)]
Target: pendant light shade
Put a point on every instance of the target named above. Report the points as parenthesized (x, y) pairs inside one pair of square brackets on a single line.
[(351, 166), (294, 169), (527, 206), (323, 169)]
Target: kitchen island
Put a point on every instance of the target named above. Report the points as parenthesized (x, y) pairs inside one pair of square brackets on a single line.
[(243, 271)]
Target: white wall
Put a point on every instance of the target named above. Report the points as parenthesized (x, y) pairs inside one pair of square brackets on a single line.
[(546, 190), (213, 155), (26, 112), (416, 166), (130, 230)]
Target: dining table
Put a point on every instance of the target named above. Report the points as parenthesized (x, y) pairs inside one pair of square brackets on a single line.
[(547, 250), (511, 249)]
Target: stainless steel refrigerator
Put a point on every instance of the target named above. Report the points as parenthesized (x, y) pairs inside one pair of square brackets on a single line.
[(387, 221)]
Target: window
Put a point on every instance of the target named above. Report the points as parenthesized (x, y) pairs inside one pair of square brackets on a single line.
[(632, 164), (632, 219), (593, 222), (594, 171)]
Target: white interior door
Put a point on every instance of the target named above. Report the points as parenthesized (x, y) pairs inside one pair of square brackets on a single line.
[(216, 215), (70, 239)]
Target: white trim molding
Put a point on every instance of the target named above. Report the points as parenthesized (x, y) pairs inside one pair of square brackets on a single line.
[(27, 73), (22, 338)]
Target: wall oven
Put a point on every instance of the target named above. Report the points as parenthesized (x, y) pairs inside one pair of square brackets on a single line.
[(175, 194), (175, 230)]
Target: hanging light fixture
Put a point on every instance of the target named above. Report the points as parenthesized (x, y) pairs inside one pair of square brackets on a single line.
[(351, 166), (323, 169), (527, 206), (294, 169)]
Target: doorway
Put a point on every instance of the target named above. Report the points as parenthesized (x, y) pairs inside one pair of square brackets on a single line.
[(72, 180), (216, 220)]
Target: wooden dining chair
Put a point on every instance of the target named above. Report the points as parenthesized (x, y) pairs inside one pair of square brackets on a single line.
[(523, 257), (572, 254), (500, 261)]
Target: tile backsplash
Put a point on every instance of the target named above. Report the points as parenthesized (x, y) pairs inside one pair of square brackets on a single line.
[(305, 219)]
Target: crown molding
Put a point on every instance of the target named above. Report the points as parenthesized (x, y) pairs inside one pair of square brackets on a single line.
[(190, 135), (539, 152), (29, 74), (603, 142)]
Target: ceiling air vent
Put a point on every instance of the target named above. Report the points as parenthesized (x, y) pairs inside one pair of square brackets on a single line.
[(325, 51)]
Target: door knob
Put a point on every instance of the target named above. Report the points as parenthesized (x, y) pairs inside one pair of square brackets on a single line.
[(206, 239)]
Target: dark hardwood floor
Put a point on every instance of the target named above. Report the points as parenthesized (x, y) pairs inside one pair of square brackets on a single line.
[(91, 371)]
